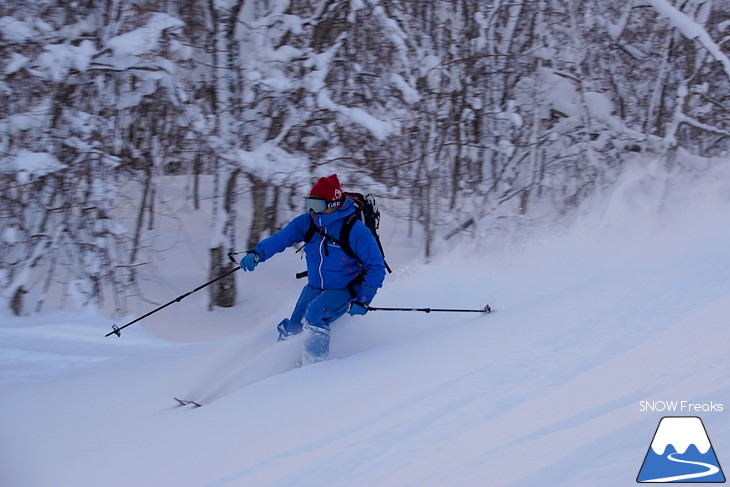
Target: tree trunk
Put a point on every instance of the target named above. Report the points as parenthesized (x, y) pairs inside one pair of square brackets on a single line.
[(223, 292)]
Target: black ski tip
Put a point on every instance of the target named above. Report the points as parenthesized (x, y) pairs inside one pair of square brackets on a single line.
[(182, 402), (186, 402), (115, 331)]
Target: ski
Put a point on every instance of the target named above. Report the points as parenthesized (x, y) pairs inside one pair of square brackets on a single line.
[(186, 402)]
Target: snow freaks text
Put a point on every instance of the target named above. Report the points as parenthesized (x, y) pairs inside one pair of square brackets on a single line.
[(682, 407)]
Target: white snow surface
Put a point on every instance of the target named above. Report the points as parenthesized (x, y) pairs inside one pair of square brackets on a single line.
[(630, 304)]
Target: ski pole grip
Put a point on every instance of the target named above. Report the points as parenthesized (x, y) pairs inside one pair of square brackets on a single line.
[(299, 275)]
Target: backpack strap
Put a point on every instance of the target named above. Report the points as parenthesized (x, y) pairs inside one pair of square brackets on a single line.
[(310, 231), (343, 241), (365, 202), (345, 232)]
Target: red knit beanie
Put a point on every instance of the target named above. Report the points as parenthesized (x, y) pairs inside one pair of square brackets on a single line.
[(329, 189)]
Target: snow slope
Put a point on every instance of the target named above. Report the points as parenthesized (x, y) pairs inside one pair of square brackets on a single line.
[(629, 305)]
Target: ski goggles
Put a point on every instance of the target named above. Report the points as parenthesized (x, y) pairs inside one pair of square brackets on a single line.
[(315, 204)]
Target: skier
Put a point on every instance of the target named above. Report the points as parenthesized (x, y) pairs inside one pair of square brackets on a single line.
[(337, 282)]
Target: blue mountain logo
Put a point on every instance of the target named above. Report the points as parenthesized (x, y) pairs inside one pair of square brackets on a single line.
[(680, 452)]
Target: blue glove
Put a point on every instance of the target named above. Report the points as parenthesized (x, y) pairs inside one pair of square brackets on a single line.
[(360, 304), (250, 261), (365, 296), (358, 308)]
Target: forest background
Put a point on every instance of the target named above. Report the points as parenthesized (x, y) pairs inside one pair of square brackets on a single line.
[(464, 117)]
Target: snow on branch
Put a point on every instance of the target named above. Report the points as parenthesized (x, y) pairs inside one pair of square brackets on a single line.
[(146, 38), (702, 126), (691, 30), (28, 164)]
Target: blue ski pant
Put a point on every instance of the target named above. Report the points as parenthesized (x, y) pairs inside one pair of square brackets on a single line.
[(316, 310)]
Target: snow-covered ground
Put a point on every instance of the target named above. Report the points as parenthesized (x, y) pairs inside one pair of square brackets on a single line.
[(631, 304)]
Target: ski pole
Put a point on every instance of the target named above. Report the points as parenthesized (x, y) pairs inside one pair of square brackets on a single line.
[(486, 309), (118, 329)]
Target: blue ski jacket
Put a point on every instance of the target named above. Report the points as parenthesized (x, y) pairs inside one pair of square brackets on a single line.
[(328, 266)]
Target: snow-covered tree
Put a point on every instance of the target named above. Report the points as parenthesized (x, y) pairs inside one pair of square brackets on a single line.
[(94, 102), (458, 115)]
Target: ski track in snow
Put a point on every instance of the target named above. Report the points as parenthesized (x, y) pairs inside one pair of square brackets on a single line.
[(545, 391), (711, 470)]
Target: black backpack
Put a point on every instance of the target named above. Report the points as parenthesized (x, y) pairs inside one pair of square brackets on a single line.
[(365, 211)]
